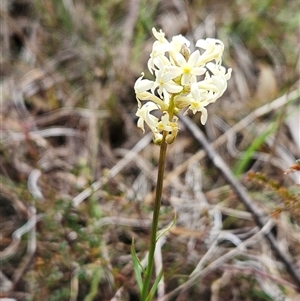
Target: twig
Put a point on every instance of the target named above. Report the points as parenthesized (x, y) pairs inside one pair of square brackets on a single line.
[(33, 186), (31, 247), (34, 135), (123, 221), (259, 216), (118, 295), (255, 271), (16, 237)]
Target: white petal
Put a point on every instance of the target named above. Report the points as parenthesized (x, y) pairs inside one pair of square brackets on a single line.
[(144, 114), (140, 124), (202, 44), (173, 88), (155, 33), (195, 92), (162, 62), (198, 70), (142, 85), (204, 116), (166, 96), (180, 60), (185, 79), (228, 74), (145, 85), (175, 70), (168, 76), (194, 58)]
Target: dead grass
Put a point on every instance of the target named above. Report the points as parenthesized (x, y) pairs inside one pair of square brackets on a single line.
[(77, 176)]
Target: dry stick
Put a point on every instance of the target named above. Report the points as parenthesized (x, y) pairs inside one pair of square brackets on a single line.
[(259, 273), (16, 237), (31, 248), (259, 217)]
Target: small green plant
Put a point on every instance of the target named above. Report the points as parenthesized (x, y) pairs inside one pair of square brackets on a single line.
[(290, 200), (183, 81)]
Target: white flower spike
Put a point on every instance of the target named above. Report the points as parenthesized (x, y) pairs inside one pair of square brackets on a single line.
[(183, 80)]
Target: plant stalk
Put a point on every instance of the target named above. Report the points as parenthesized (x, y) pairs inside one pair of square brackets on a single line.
[(159, 188)]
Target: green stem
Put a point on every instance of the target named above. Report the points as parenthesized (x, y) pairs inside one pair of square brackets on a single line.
[(159, 188)]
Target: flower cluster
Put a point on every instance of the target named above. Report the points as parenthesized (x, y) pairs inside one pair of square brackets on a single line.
[(183, 80)]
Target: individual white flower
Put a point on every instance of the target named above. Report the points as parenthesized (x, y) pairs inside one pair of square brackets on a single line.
[(213, 50), (162, 44), (144, 116), (198, 104), (165, 85), (159, 48), (164, 124), (194, 101), (156, 56), (141, 85), (158, 63), (169, 126), (187, 68), (217, 69), (217, 82)]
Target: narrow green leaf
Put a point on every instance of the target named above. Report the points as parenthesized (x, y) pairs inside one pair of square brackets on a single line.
[(155, 285), (247, 156), (97, 276), (164, 231), (137, 266)]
